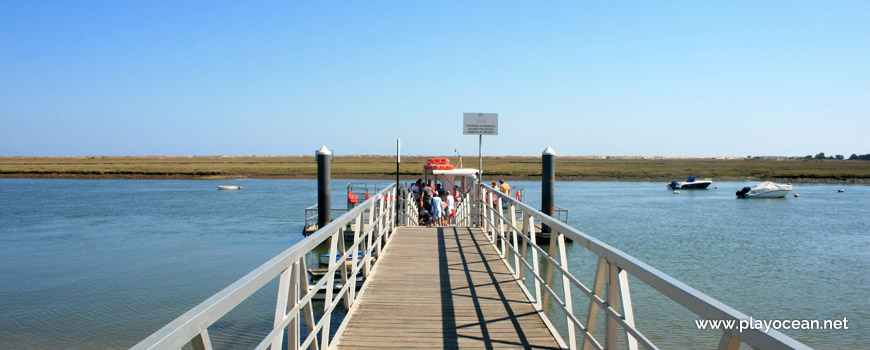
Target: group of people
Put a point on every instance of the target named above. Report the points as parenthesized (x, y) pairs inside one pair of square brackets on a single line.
[(437, 206), (503, 187)]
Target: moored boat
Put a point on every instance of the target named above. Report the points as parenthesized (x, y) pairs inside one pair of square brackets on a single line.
[(690, 184), (324, 258), (765, 189), (229, 188), (315, 275)]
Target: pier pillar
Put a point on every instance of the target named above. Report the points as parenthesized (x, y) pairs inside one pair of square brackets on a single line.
[(324, 205), (548, 182)]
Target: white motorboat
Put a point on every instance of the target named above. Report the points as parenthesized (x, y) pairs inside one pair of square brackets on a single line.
[(315, 275), (324, 258), (765, 189), (690, 184), (229, 188)]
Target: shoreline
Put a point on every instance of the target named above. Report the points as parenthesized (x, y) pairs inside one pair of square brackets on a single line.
[(79, 176), (510, 168)]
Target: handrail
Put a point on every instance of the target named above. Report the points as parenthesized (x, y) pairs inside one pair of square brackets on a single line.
[(294, 301), (311, 214), (482, 206), (610, 287)]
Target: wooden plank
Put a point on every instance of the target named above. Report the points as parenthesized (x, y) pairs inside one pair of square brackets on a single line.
[(444, 287)]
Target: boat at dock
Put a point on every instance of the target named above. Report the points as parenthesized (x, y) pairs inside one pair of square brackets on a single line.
[(229, 188), (690, 184), (324, 258), (315, 275)]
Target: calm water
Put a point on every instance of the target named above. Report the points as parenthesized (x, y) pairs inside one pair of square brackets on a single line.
[(103, 263)]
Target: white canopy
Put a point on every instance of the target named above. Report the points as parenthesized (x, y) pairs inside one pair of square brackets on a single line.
[(460, 172), (769, 186)]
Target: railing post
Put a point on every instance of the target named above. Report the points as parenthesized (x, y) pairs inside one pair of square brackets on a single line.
[(475, 209), (308, 309), (343, 267), (370, 232), (597, 289), (535, 268), (407, 209), (566, 287), (610, 323), (526, 223), (501, 235), (379, 240), (284, 285), (330, 285), (549, 277), (627, 309), (491, 211), (390, 200), (354, 260), (728, 342), (514, 240), (293, 333), (202, 341), (484, 223)]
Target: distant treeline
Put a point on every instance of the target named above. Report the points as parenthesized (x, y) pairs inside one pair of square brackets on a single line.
[(839, 156)]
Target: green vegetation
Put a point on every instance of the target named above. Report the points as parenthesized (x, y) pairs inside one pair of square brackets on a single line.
[(383, 167)]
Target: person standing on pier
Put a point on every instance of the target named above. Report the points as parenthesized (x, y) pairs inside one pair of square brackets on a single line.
[(415, 188), (436, 210), (494, 201), (504, 188), (451, 209), (429, 190)]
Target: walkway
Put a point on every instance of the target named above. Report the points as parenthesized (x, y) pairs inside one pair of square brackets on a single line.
[(445, 288)]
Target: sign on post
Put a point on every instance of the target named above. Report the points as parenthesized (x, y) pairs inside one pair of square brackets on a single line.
[(480, 124)]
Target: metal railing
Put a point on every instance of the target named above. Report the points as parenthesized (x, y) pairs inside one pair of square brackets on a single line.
[(610, 291), (311, 214), (518, 248), (294, 305)]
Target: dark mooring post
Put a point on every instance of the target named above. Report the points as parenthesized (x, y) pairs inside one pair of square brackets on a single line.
[(548, 182), (324, 158)]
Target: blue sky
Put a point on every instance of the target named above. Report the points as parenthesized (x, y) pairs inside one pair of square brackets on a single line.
[(283, 78)]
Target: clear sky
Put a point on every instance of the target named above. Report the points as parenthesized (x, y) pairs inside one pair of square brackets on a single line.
[(669, 78)]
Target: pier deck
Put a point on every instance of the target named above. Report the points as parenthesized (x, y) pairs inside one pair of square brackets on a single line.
[(444, 287)]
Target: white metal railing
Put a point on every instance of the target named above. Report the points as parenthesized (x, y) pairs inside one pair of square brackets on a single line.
[(610, 291), (294, 300), (311, 214), (498, 216)]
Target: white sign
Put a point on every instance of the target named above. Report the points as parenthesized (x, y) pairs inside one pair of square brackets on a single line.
[(480, 124)]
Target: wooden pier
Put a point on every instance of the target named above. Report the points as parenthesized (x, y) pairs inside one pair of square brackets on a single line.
[(453, 287), (460, 295)]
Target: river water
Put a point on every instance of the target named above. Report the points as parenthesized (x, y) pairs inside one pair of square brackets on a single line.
[(91, 264)]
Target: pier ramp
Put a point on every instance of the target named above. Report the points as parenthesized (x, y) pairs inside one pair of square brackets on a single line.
[(485, 283), (444, 287)]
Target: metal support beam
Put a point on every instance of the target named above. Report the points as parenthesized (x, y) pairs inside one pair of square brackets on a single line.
[(324, 203), (548, 181)]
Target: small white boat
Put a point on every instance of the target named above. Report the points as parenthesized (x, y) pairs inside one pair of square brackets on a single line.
[(324, 258), (229, 188), (315, 275), (765, 189), (690, 184)]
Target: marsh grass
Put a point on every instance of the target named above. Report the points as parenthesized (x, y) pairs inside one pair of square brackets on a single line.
[(383, 167)]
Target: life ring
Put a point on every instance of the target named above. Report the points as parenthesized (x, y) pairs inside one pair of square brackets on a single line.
[(518, 196)]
